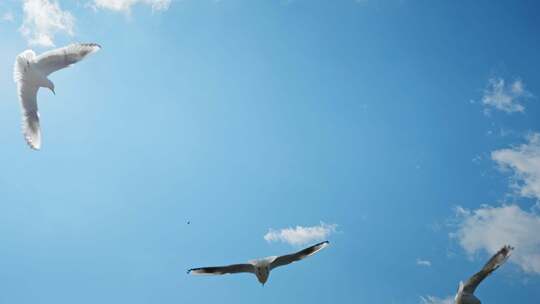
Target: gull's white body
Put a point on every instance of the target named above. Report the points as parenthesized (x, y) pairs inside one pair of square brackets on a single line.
[(262, 268), (31, 73)]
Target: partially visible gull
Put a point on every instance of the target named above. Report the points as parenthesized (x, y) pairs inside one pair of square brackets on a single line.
[(260, 267), (465, 294), (31, 72)]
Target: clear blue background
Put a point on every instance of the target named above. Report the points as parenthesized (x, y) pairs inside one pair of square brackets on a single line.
[(241, 116)]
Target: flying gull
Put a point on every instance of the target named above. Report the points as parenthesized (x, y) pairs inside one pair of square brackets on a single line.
[(465, 294), (260, 267), (30, 74)]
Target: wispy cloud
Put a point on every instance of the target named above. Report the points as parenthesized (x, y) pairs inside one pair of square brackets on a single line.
[(301, 235), (43, 19), (524, 161), (125, 5), (505, 97), (8, 17), (489, 228), (424, 263), (435, 300)]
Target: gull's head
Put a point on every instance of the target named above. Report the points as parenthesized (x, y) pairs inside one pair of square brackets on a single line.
[(50, 85), (262, 272), (262, 268)]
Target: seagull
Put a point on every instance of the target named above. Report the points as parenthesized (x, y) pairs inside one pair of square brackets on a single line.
[(260, 267), (30, 73), (465, 294)]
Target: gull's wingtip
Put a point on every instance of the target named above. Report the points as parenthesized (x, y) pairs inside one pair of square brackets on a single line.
[(196, 271), (32, 135), (91, 44), (34, 144), (507, 251), (90, 47), (323, 244), (319, 246), (97, 47)]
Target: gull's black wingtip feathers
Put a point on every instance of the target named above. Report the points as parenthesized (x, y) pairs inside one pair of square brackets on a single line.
[(92, 44), (325, 243), (194, 270), (506, 251), (315, 248), (508, 248)]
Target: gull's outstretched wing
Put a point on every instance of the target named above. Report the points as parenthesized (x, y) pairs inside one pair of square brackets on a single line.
[(297, 256), (30, 115), (27, 94), (497, 260), (236, 268), (57, 59)]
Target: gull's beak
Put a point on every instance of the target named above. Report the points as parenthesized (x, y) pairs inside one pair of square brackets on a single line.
[(53, 91)]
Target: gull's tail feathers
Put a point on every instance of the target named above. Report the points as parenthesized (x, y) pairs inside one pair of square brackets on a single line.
[(31, 130)]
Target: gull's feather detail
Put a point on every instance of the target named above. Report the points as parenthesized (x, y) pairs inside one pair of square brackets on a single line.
[(55, 60), (297, 256), (219, 270)]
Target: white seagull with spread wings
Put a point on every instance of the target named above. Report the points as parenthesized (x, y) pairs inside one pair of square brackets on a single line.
[(260, 267), (465, 294), (30, 74)]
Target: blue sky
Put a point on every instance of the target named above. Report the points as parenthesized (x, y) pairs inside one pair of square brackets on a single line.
[(408, 131)]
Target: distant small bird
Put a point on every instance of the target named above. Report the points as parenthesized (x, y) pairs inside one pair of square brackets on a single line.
[(31, 72), (260, 267), (465, 294)]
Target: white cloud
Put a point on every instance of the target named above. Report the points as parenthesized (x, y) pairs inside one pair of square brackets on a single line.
[(489, 228), (301, 235), (421, 262), (125, 5), (524, 161), (435, 300), (8, 17), (503, 97), (43, 19)]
